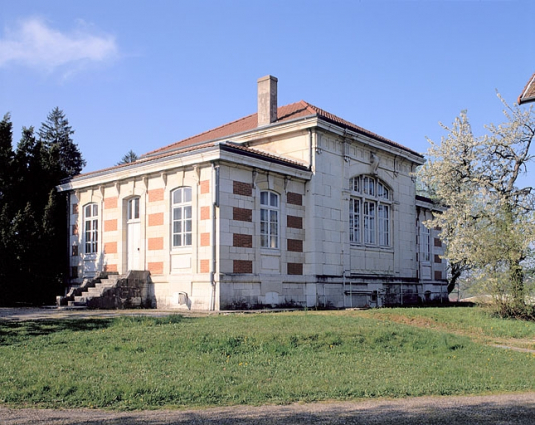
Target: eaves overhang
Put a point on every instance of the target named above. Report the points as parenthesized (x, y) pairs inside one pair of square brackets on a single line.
[(429, 204), (211, 153), (379, 144)]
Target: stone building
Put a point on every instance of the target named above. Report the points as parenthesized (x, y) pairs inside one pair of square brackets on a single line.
[(289, 206)]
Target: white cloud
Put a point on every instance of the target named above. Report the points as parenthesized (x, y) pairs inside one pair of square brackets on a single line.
[(37, 45)]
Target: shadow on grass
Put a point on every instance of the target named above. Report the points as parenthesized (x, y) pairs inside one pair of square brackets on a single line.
[(438, 411), (16, 332)]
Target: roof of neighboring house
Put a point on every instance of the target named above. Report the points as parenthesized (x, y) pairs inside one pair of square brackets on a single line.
[(528, 94), (290, 112)]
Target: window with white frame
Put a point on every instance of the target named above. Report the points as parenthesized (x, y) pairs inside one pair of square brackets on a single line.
[(269, 220), (181, 217), (370, 212), (91, 228), (425, 243), (354, 220), (133, 209), (383, 212)]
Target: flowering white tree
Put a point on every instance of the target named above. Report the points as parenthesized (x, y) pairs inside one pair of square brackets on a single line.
[(489, 225)]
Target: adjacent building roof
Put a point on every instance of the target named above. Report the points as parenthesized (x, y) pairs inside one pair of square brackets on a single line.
[(285, 113), (528, 94)]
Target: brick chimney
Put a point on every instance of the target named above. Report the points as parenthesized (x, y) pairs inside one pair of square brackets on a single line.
[(267, 100)]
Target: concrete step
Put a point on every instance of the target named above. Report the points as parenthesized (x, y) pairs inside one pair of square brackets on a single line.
[(107, 283), (82, 298), (95, 291)]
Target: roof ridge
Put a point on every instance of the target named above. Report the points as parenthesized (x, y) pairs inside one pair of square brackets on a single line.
[(197, 135), (229, 124), (299, 109), (330, 116)]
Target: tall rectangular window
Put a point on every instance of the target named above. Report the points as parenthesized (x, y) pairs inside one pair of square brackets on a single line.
[(354, 220), (181, 217), (425, 243), (369, 222), (91, 228), (269, 220), (383, 212)]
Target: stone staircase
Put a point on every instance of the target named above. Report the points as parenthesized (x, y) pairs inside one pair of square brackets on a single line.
[(111, 291), (96, 291)]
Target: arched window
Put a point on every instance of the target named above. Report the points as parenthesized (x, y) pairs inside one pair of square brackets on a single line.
[(182, 217), (370, 211), (91, 228), (269, 220)]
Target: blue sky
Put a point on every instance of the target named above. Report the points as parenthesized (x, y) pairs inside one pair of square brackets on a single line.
[(143, 74)]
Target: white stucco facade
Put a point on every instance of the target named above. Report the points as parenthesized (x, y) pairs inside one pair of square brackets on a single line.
[(308, 211)]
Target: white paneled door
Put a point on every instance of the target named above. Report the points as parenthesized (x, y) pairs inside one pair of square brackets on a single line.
[(133, 236)]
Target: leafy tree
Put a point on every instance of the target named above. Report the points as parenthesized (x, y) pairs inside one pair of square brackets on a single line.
[(131, 156), (489, 225)]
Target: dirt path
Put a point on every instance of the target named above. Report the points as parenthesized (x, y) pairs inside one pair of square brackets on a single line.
[(517, 344), (517, 409)]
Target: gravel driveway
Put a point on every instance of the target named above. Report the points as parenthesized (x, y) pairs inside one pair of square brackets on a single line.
[(518, 409)]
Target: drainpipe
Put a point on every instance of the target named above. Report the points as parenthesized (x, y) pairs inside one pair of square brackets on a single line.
[(213, 259), (344, 288), (67, 277), (311, 148)]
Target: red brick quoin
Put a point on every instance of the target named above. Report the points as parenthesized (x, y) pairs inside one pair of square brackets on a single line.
[(294, 198), (205, 266), (295, 245), (240, 188), (242, 266), (295, 268), (205, 213), (294, 222), (243, 241), (242, 214)]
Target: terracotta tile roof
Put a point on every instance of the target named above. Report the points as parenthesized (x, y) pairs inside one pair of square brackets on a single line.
[(296, 110), (207, 139), (528, 94)]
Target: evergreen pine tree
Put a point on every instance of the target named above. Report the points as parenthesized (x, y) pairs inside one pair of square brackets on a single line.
[(55, 133), (129, 157), (6, 191), (6, 154), (33, 227)]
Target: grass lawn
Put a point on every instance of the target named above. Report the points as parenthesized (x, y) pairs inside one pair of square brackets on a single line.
[(174, 362)]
